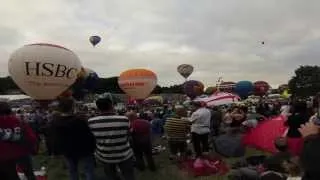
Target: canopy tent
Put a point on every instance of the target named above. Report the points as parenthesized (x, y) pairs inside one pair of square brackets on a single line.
[(14, 97), (219, 98)]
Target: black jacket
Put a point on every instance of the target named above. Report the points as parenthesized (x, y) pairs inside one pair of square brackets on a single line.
[(310, 158), (72, 137)]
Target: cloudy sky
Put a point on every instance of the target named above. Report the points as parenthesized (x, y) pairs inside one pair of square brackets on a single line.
[(218, 37)]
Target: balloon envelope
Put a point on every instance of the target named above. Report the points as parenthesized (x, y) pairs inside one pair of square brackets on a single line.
[(95, 40), (44, 71), (243, 88), (137, 83), (185, 70), (193, 88), (210, 90), (261, 88), (227, 86)]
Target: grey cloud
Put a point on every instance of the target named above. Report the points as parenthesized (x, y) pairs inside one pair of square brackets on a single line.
[(220, 38)]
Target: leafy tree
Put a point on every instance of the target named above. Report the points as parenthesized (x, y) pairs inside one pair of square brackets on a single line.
[(306, 81)]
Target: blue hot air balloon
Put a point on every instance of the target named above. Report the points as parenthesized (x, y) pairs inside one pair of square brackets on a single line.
[(94, 40), (243, 88)]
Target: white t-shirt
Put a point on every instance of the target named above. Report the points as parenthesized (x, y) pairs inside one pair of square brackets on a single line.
[(201, 121), (285, 110)]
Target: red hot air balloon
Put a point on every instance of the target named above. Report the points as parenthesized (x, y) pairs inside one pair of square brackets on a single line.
[(227, 86), (261, 88)]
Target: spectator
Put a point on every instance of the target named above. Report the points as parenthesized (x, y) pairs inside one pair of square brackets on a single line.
[(310, 157), (73, 139), (141, 141), (200, 128), (299, 116), (17, 140), (112, 135), (177, 129)]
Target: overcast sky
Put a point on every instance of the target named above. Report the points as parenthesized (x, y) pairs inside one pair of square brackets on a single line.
[(218, 37)]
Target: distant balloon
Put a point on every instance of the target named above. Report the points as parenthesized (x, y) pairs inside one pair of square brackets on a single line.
[(44, 71), (243, 88), (262, 42), (261, 88), (185, 70), (210, 90), (227, 86), (137, 83), (94, 40), (193, 88)]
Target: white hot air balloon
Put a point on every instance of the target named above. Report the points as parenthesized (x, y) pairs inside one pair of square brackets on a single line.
[(44, 71)]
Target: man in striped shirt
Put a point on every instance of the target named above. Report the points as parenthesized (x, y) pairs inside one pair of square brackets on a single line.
[(177, 129), (112, 136)]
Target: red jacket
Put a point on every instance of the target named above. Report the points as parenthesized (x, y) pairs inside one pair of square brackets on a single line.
[(16, 138)]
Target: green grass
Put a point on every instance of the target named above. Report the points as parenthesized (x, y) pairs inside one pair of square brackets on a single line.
[(57, 170)]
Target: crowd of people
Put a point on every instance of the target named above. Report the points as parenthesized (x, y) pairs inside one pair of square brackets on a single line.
[(120, 141)]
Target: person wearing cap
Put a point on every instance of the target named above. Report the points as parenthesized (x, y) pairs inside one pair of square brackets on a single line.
[(200, 128), (176, 129), (112, 139), (73, 139)]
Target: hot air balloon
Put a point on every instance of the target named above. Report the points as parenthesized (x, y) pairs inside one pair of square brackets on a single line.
[(90, 80), (185, 70), (44, 71), (94, 40), (137, 83), (243, 88), (227, 86), (261, 88), (193, 88), (210, 90)]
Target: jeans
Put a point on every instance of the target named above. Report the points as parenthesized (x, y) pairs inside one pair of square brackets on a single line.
[(143, 149), (26, 164), (126, 168), (8, 170), (200, 143), (89, 164)]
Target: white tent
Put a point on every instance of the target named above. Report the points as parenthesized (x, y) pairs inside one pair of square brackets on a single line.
[(14, 97), (220, 98)]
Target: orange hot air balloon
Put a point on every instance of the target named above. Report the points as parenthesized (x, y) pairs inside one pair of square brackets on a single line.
[(137, 83)]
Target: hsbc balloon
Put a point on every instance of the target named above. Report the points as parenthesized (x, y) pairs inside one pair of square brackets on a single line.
[(137, 83), (44, 71)]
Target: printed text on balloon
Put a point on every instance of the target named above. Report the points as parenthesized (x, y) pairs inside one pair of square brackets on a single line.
[(49, 69)]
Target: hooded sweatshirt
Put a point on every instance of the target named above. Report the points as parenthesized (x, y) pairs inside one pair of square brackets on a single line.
[(16, 138)]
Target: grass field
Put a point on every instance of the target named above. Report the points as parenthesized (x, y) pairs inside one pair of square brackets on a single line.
[(57, 170)]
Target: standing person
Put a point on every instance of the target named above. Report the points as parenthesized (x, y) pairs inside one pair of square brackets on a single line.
[(310, 157), (112, 135), (73, 139), (177, 129), (298, 117), (200, 128), (141, 141), (17, 140)]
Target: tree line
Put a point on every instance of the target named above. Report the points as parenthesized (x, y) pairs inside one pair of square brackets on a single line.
[(7, 86), (304, 83)]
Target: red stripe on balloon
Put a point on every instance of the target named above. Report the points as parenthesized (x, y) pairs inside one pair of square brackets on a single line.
[(47, 44)]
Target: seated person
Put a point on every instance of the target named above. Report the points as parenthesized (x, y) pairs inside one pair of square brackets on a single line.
[(272, 167)]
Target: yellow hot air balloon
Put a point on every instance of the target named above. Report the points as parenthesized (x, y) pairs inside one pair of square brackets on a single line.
[(137, 83)]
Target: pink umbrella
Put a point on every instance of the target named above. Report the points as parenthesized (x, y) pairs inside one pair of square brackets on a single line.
[(219, 98)]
